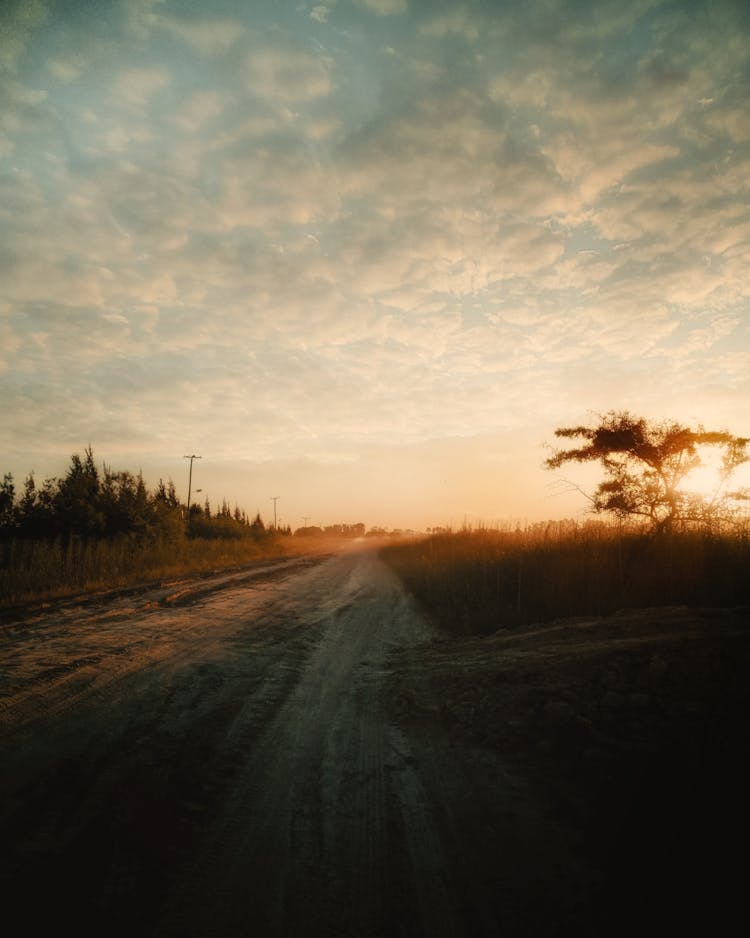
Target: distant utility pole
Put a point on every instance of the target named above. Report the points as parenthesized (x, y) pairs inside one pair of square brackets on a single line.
[(305, 518), (190, 480), (274, 499)]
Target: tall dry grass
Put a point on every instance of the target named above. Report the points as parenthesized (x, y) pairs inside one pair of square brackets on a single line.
[(477, 581), (40, 569)]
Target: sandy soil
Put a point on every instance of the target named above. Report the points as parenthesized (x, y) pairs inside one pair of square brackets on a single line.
[(294, 750)]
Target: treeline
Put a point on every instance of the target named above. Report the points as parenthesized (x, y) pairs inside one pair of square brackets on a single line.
[(87, 504), (94, 529), (350, 531), (331, 530), (478, 581)]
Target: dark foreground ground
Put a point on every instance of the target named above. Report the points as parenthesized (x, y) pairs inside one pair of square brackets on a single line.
[(297, 751), (634, 730)]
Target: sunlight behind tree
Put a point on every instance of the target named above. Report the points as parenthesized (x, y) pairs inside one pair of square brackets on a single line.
[(705, 480), (649, 467)]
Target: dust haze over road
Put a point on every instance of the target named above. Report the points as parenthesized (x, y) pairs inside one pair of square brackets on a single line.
[(257, 754)]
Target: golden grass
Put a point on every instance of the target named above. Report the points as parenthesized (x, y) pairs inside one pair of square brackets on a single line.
[(35, 570), (477, 581)]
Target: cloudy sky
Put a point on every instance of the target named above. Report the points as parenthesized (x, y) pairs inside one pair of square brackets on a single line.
[(365, 255)]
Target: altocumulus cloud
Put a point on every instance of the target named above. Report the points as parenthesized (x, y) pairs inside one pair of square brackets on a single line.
[(300, 230)]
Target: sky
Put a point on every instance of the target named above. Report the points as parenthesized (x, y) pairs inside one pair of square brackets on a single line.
[(364, 256)]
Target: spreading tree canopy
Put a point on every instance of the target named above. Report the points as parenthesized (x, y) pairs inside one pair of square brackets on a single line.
[(646, 464)]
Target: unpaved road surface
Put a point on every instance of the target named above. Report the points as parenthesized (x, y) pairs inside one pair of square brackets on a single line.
[(261, 754)]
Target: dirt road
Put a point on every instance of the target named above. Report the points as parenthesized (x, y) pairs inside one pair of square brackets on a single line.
[(260, 754)]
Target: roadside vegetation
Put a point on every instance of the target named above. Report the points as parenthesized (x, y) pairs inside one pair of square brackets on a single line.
[(660, 543), (95, 529), (477, 581), (100, 529)]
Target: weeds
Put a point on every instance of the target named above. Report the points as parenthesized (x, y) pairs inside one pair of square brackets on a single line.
[(40, 569), (477, 581)]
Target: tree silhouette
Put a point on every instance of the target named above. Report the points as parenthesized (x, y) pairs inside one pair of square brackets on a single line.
[(90, 504), (76, 502), (124, 503), (7, 501), (645, 464)]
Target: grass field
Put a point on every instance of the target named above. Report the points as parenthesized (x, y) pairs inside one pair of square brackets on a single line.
[(477, 581), (40, 569)]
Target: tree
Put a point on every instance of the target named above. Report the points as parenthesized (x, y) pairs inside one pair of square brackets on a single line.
[(646, 463), (77, 498), (166, 496), (7, 502), (124, 503), (29, 512)]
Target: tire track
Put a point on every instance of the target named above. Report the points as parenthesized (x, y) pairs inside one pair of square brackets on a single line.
[(312, 798)]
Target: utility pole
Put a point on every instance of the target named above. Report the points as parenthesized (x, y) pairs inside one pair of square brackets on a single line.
[(190, 482), (274, 499), (305, 518)]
